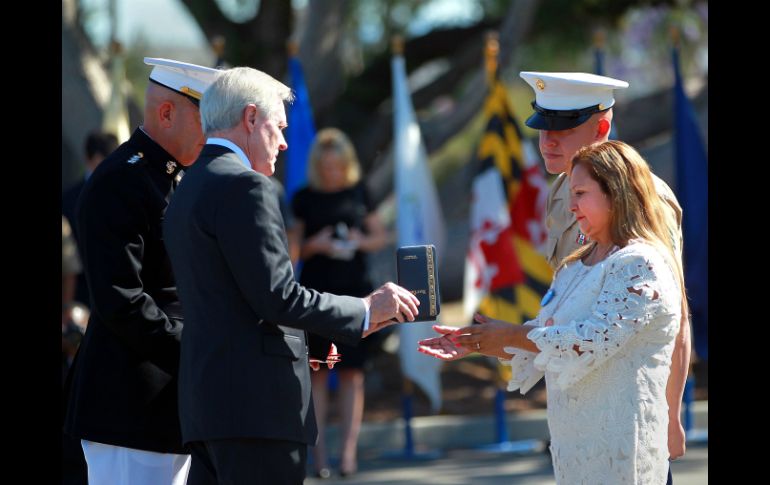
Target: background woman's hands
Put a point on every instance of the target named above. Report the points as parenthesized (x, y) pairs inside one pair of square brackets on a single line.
[(332, 358)]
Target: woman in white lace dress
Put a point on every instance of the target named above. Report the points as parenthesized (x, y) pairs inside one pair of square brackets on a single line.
[(605, 333)]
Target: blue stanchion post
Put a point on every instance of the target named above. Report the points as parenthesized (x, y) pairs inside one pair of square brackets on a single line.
[(502, 429), (689, 391), (504, 444), (409, 452), (406, 404), (693, 434)]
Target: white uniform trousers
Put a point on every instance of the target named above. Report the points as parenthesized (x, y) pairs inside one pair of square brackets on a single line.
[(116, 465)]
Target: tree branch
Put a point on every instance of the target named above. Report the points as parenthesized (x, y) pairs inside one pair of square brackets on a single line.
[(438, 130)]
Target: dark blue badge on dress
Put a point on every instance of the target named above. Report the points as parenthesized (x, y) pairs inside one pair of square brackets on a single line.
[(547, 297)]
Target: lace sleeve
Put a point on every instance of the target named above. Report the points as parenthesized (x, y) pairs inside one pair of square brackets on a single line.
[(524, 375), (630, 298)]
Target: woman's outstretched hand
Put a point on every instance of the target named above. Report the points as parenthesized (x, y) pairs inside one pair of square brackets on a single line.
[(442, 347)]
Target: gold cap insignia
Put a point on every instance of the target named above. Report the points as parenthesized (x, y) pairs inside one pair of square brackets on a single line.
[(191, 92)]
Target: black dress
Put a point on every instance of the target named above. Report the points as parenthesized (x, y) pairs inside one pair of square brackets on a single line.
[(342, 210)]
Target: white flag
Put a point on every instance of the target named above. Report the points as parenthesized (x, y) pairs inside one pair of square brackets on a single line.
[(115, 119), (419, 221)]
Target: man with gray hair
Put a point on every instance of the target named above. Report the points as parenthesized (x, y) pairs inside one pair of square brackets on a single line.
[(245, 406)]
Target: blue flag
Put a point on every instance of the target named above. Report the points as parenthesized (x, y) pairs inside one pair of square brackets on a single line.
[(599, 61), (300, 133), (599, 70), (692, 192)]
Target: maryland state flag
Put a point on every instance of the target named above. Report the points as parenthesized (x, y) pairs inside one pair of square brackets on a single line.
[(505, 276)]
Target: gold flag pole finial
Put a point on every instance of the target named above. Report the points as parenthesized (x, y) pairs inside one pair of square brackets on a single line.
[(600, 38), (491, 51), (675, 36), (116, 48), (218, 45), (397, 45), (292, 48)]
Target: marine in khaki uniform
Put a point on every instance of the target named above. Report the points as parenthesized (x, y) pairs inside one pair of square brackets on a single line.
[(573, 110)]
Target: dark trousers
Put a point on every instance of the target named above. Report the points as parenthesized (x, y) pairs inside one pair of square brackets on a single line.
[(670, 480), (74, 470), (247, 461)]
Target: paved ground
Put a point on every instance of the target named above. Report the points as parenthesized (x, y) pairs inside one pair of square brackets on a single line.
[(461, 463), (476, 468)]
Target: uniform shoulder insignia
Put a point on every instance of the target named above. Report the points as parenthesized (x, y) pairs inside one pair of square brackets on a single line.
[(138, 156)]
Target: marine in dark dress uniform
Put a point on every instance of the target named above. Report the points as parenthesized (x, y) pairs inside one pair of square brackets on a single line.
[(123, 392)]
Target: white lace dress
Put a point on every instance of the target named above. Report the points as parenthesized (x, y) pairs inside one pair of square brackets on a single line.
[(607, 410)]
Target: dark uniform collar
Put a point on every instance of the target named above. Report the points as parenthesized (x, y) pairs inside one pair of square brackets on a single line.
[(155, 155)]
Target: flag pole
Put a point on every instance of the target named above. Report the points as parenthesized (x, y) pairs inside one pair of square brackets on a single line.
[(503, 443), (407, 389), (600, 40), (218, 46), (600, 37)]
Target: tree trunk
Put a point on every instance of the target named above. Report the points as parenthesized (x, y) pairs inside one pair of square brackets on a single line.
[(85, 90), (259, 42), (319, 51), (437, 131)]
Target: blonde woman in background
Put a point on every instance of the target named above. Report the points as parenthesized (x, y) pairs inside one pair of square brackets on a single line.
[(337, 225)]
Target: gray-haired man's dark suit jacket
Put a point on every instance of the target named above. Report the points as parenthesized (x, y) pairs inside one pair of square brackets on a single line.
[(244, 366)]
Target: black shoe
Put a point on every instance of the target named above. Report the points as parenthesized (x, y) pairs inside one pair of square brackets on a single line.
[(344, 474)]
